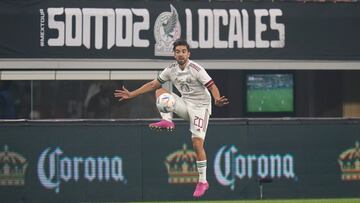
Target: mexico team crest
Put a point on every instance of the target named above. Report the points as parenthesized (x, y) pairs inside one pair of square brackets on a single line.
[(167, 29)]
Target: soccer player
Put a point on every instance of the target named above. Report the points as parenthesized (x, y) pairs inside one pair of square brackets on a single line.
[(194, 84)]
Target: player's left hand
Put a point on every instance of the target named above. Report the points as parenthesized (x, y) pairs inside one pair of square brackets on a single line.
[(221, 101)]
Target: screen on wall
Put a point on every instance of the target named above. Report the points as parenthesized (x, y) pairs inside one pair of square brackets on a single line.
[(269, 93)]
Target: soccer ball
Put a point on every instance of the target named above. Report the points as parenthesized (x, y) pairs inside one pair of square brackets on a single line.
[(166, 103)]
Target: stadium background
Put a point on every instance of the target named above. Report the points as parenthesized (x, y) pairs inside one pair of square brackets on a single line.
[(63, 138)]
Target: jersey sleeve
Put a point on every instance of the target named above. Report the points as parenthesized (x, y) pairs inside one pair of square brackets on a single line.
[(204, 77), (164, 75)]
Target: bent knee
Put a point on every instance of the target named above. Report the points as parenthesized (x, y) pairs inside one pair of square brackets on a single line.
[(198, 143), (160, 91)]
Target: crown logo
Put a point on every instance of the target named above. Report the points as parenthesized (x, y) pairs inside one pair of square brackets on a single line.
[(349, 162), (181, 166), (12, 168)]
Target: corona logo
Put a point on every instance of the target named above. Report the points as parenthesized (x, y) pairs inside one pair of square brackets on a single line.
[(349, 162), (12, 168), (230, 166), (181, 166), (55, 168)]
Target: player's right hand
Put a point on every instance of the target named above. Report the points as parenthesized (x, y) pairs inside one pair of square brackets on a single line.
[(122, 94)]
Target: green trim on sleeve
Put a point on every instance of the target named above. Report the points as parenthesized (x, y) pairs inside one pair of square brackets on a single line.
[(161, 81)]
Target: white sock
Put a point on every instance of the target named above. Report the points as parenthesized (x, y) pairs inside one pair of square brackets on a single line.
[(201, 166), (166, 116)]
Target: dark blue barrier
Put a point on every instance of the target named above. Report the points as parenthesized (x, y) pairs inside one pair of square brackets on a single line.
[(112, 161), (244, 30)]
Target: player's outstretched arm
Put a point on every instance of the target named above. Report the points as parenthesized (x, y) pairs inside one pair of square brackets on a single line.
[(219, 100), (123, 93)]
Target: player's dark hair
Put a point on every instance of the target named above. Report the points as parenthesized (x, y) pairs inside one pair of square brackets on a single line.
[(181, 42)]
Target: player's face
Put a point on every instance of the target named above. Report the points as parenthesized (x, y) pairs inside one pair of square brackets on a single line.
[(181, 54)]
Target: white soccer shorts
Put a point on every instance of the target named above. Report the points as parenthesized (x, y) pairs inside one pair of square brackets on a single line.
[(197, 115)]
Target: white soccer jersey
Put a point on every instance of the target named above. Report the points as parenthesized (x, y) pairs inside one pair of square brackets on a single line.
[(192, 82)]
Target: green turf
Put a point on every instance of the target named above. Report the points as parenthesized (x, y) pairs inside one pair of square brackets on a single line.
[(344, 200), (270, 100), (275, 201)]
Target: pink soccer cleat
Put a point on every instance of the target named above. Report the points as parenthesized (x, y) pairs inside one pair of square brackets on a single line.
[(163, 125), (200, 189)]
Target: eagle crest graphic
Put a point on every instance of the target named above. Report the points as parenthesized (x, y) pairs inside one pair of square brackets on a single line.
[(170, 23), (167, 29)]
